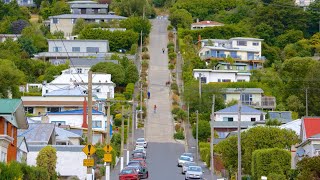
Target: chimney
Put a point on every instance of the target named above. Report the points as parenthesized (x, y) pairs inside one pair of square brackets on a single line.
[(44, 119), (84, 115), (197, 20)]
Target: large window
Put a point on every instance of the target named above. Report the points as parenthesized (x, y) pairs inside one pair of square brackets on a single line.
[(92, 49), (246, 99), (228, 119), (55, 21), (255, 43), (96, 124), (57, 49), (79, 70), (226, 80), (28, 110), (3, 156), (75, 49), (242, 43), (53, 109)]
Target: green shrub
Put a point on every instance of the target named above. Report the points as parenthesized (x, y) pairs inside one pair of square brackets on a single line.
[(170, 45), (175, 110), (275, 176), (204, 153), (117, 122), (172, 55), (267, 161), (133, 49), (99, 155), (204, 145), (171, 67), (170, 27), (145, 56), (144, 49), (178, 135), (174, 86), (47, 159)]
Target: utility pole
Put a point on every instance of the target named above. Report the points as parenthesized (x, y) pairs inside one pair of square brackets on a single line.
[(197, 138), (89, 136), (133, 119), (122, 138), (239, 136), (107, 173), (212, 138), (200, 86), (307, 101), (128, 138), (145, 133)]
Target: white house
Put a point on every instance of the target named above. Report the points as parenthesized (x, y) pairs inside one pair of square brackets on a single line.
[(65, 49), (28, 3), (65, 22), (102, 86), (209, 75), (205, 24), (241, 49), (4, 37), (69, 160), (22, 149), (248, 114), (303, 3), (89, 8)]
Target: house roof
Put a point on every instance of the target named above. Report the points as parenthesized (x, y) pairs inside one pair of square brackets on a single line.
[(283, 116), (232, 124), (75, 112), (244, 110), (246, 90), (311, 126), (88, 5), (316, 136), (13, 111), (67, 91), (77, 40), (66, 78), (82, 2), (87, 16), (64, 135), (293, 125), (208, 23), (230, 49), (77, 62), (221, 71), (70, 148), (37, 132), (246, 38)]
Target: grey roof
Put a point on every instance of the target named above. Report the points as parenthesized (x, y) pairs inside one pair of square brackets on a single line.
[(82, 2), (89, 62), (316, 146), (244, 110), (315, 136), (66, 92), (78, 40), (76, 131), (64, 135), (87, 16), (71, 148), (283, 116), (217, 140), (232, 124), (246, 90), (37, 132), (88, 5)]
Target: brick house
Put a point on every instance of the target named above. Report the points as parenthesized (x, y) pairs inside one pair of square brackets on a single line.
[(12, 117)]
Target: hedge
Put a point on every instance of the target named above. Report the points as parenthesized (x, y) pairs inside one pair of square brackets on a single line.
[(268, 161), (16, 170), (179, 135)]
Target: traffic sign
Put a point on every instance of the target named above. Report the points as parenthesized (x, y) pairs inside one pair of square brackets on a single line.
[(88, 162), (107, 148), (89, 150), (107, 158)]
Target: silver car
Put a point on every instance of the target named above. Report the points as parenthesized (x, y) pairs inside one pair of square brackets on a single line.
[(182, 160), (189, 155), (186, 165), (194, 172), (142, 142)]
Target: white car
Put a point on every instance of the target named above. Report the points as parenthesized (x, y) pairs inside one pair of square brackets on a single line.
[(189, 155), (182, 160), (186, 165), (142, 149), (194, 172), (142, 142)]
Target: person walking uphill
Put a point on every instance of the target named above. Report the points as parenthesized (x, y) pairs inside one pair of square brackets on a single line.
[(149, 94), (163, 50), (154, 108)]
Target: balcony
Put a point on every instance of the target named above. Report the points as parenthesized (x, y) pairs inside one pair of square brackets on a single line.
[(267, 102)]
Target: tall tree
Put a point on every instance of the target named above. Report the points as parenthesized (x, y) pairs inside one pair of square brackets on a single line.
[(116, 70)]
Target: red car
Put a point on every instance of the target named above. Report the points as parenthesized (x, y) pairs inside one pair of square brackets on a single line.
[(129, 173), (142, 161)]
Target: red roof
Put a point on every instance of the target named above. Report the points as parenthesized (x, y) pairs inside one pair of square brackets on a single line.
[(311, 126), (207, 23)]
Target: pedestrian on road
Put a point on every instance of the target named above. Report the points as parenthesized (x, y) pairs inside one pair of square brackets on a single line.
[(148, 94), (154, 108), (163, 50)]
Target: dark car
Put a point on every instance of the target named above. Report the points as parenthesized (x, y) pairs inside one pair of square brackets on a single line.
[(142, 170), (143, 161), (139, 155), (129, 173), (139, 151)]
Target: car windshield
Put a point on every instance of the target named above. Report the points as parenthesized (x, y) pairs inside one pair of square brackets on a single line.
[(187, 154), (135, 163), (194, 168), (190, 164), (185, 158), (138, 150), (127, 171), (140, 140)]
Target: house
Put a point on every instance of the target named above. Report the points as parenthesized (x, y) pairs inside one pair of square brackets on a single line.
[(79, 48), (226, 120), (89, 8), (4, 37), (28, 3), (12, 118), (77, 82), (303, 3), (283, 116), (210, 75), (22, 149), (82, 65), (65, 137), (65, 22), (241, 49), (251, 97), (82, 2), (69, 160), (39, 134), (205, 24)]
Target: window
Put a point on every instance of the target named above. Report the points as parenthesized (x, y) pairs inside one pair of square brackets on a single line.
[(226, 80), (96, 124), (255, 44), (241, 68), (47, 91), (219, 80), (222, 134), (253, 119), (5, 128), (55, 21), (97, 90), (242, 43), (93, 49), (28, 110), (58, 123), (75, 49), (12, 131), (57, 49), (241, 80), (228, 119), (3, 156), (246, 99), (53, 109), (79, 70)]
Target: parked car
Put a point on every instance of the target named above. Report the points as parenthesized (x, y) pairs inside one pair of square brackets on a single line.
[(142, 170), (140, 151), (183, 159), (189, 155), (129, 173), (139, 155), (194, 172), (186, 165), (142, 142), (142, 160)]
